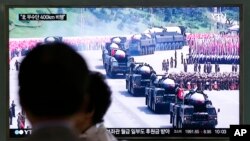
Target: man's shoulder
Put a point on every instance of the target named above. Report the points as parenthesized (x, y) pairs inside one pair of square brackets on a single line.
[(98, 133), (52, 134)]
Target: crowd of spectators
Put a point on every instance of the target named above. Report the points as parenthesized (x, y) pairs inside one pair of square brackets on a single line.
[(214, 44), (20, 47)]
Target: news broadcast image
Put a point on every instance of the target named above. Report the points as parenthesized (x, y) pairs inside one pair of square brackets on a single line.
[(167, 67)]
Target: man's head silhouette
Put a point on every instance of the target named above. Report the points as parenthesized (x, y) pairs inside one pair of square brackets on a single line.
[(52, 81)]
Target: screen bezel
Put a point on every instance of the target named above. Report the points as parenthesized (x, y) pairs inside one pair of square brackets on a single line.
[(146, 3)]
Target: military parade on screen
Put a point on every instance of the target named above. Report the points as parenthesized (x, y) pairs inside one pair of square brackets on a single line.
[(206, 54), (165, 93)]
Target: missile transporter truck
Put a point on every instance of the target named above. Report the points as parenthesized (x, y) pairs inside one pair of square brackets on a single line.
[(138, 78), (120, 41), (141, 44), (169, 38), (160, 93), (193, 110), (115, 60), (53, 39), (114, 43)]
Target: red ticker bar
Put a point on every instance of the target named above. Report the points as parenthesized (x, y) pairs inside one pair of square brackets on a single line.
[(148, 132), (42, 17)]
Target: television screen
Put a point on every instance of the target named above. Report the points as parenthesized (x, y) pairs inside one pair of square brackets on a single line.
[(173, 71)]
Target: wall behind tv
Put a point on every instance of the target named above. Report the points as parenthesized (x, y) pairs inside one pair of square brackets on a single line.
[(245, 47)]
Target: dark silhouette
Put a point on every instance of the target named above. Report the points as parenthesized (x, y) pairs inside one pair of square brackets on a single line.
[(52, 87), (182, 58), (20, 121), (90, 121), (13, 110), (10, 116), (164, 63), (199, 67), (17, 65), (171, 62)]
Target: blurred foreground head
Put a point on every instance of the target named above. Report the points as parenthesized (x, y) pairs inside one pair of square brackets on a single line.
[(52, 81), (100, 96), (99, 100)]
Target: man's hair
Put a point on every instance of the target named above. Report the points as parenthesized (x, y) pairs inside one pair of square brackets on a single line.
[(100, 96), (52, 80)]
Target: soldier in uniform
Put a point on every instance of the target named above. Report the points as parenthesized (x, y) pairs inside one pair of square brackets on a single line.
[(175, 63), (17, 65), (237, 82), (171, 62), (205, 68), (215, 67), (182, 82), (167, 65), (232, 84), (209, 67), (233, 68), (199, 83), (131, 67), (203, 80), (185, 66), (10, 116), (13, 108), (199, 67), (181, 58), (210, 80), (188, 85), (223, 83), (219, 83), (164, 65), (189, 50), (218, 68), (227, 82), (195, 67), (175, 55), (214, 83), (193, 83), (236, 68)]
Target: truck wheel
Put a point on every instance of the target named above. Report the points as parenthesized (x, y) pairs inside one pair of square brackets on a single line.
[(171, 117), (141, 53), (152, 105), (162, 46), (166, 108), (110, 73), (149, 103), (172, 46), (127, 86), (174, 121), (132, 91), (157, 108), (130, 87), (106, 69), (179, 124)]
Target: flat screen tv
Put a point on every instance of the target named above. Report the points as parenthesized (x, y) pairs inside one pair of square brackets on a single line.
[(174, 70)]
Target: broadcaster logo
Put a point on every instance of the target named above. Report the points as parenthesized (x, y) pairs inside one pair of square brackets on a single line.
[(19, 132)]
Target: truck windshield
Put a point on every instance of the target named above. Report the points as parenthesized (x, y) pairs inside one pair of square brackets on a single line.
[(211, 111), (188, 111)]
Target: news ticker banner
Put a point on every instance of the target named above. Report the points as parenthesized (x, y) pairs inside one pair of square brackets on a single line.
[(235, 132), (147, 132), (42, 17)]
